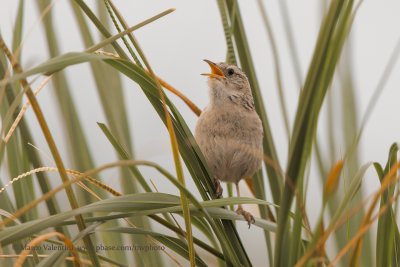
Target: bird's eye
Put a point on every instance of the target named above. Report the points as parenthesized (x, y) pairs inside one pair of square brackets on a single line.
[(231, 72)]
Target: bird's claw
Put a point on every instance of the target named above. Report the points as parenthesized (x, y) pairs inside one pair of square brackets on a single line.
[(219, 190), (247, 215)]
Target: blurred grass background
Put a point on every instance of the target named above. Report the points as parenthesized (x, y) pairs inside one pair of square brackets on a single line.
[(306, 91)]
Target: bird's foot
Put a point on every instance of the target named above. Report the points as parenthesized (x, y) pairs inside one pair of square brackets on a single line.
[(219, 190), (247, 215)]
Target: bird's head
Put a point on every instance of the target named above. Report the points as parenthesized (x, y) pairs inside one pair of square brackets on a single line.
[(227, 77)]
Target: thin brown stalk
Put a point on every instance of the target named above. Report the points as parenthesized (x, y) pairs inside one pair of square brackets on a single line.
[(23, 110)]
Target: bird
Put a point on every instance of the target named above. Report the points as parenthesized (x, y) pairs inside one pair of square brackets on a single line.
[(229, 131)]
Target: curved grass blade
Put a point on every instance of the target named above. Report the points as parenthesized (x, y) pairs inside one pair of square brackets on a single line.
[(56, 63), (123, 154), (139, 204), (113, 38)]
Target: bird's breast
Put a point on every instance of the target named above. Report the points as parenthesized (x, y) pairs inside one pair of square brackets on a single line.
[(231, 142), (229, 124)]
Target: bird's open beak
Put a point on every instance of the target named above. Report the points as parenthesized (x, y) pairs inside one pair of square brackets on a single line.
[(215, 71)]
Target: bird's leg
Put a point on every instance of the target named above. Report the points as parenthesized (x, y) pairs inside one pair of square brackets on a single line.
[(218, 191), (247, 215)]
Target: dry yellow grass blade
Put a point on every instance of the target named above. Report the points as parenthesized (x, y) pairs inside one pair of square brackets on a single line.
[(333, 178)]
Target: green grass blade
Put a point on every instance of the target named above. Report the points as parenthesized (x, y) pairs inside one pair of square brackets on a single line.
[(23, 190), (230, 53), (325, 57), (18, 26), (55, 64), (89, 13), (123, 154), (112, 39), (291, 42), (278, 74), (112, 11), (140, 204), (6, 207)]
